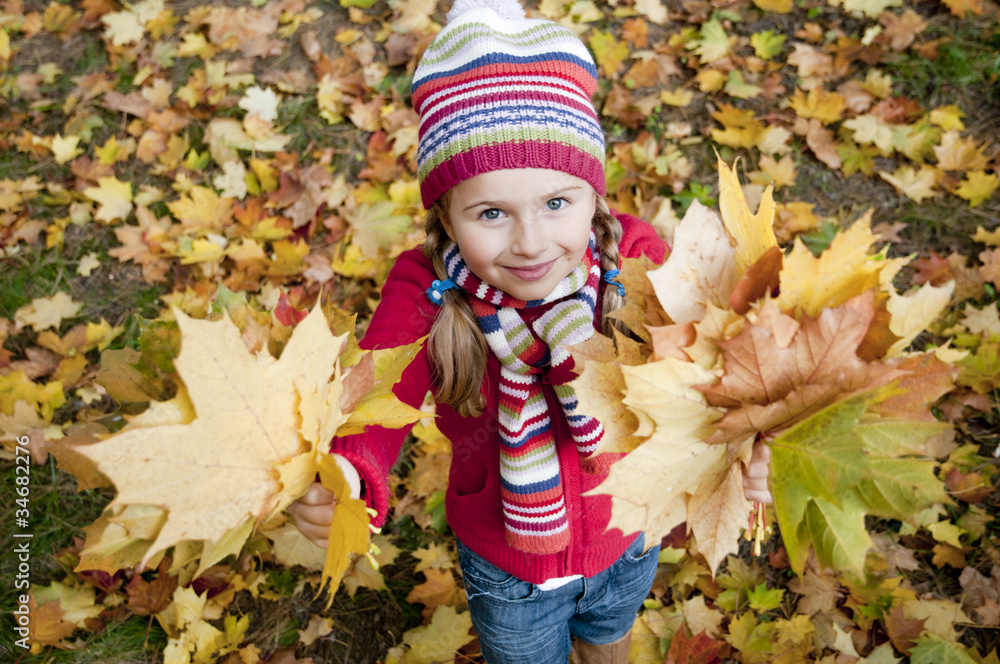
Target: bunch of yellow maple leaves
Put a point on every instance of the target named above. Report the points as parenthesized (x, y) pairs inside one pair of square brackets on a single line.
[(740, 342), (257, 159)]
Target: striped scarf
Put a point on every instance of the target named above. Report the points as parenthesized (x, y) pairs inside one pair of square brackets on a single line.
[(531, 486)]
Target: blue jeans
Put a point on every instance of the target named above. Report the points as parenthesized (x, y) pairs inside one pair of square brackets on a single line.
[(518, 623)]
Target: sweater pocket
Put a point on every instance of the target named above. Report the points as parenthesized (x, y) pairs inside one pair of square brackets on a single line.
[(471, 479)]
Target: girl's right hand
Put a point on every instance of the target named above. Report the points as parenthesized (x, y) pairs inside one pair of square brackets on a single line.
[(313, 514)]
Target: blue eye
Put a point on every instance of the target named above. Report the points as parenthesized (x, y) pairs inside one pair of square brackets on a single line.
[(491, 214), (556, 203)]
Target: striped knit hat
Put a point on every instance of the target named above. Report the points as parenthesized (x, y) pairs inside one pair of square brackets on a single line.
[(497, 90)]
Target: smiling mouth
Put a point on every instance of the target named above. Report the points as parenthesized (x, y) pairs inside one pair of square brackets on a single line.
[(530, 272)]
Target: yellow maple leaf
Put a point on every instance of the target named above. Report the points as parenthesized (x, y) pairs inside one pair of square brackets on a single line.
[(701, 268), (992, 238), (45, 312), (977, 187), (609, 53), (122, 28), (202, 210), (713, 43), (654, 10), (827, 107), (199, 250), (114, 197), (742, 130), (680, 97), (363, 574), (845, 269), (291, 548), (253, 447), (916, 185), (192, 640), (441, 639), (599, 389), (377, 226), (960, 8), (65, 148), (709, 80), (779, 173), (260, 101), (960, 154), (434, 556), (232, 180), (120, 538), (78, 603), (379, 405), (348, 530), (914, 312), (753, 234), (985, 321), (718, 516), (948, 117), (870, 8), (776, 6), (5, 49), (871, 130)]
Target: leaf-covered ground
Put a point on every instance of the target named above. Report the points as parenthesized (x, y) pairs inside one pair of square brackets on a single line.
[(262, 155)]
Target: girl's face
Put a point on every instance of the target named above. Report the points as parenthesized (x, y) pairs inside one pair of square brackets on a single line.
[(521, 230)]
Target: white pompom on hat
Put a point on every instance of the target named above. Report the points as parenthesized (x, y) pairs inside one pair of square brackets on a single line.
[(508, 9)]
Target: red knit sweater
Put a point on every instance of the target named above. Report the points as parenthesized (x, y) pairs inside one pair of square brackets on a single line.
[(472, 502)]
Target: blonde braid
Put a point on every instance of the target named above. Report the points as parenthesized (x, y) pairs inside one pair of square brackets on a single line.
[(608, 233), (456, 346)]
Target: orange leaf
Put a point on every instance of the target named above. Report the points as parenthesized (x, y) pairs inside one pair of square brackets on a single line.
[(699, 649), (903, 631)]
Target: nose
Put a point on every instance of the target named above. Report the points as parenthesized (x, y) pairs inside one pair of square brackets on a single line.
[(529, 237)]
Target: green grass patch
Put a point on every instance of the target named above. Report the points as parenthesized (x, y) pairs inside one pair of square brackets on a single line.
[(16, 165), (941, 225), (115, 291), (30, 274), (137, 640), (966, 69)]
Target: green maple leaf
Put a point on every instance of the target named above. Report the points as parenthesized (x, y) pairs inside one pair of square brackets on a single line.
[(737, 87), (981, 370), (832, 469), (713, 44), (767, 44), (752, 637), (935, 650), (762, 599), (857, 158)]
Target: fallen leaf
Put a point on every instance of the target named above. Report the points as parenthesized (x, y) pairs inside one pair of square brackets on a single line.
[(114, 197), (699, 649), (45, 312), (317, 627), (441, 639), (902, 631)]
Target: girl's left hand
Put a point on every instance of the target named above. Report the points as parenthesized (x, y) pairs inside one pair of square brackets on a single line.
[(756, 473)]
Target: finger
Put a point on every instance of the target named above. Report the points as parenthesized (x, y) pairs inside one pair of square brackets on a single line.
[(318, 495), (761, 452), (758, 496), (314, 529), (320, 515), (318, 536)]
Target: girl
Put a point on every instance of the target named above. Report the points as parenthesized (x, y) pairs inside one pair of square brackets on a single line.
[(518, 241)]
